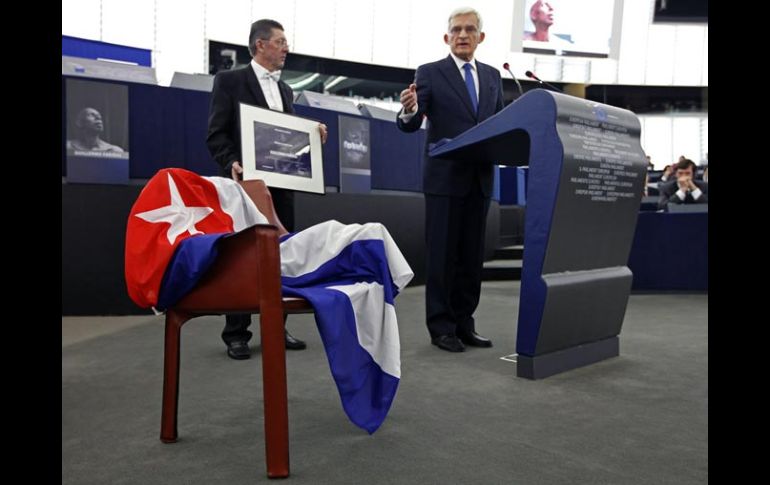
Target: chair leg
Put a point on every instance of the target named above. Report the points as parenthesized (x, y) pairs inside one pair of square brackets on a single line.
[(275, 393), (174, 322)]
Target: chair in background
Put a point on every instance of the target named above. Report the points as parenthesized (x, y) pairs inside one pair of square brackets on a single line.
[(245, 278)]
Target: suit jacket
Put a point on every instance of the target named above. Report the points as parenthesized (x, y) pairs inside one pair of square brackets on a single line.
[(668, 189), (230, 89), (443, 98)]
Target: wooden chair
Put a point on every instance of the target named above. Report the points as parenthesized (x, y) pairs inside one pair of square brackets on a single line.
[(246, 278)]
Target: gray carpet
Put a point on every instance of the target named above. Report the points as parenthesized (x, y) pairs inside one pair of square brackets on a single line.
[(639, 418)]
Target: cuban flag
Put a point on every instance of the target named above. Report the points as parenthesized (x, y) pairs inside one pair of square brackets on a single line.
[(174, 206), (351, 275)]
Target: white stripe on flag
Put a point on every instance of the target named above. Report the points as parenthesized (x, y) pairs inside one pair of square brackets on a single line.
[(318, 244), (236, 203), (376, 324)]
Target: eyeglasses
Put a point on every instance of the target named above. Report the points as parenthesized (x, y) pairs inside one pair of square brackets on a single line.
[(282, 43), (469, 29)]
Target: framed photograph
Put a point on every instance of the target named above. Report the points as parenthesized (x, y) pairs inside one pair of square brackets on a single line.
[(283, 150), (97, 132)]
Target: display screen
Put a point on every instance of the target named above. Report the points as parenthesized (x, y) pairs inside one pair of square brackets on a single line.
[(566, 28)]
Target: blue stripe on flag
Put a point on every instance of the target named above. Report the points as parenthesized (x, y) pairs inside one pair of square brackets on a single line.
[(361, 261), (191, 260), (365, 390)]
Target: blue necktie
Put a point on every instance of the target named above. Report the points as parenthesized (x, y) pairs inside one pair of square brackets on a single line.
[(471, 87)]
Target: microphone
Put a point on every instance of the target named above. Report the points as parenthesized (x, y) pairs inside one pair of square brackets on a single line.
[(531, 75), (507, 67)]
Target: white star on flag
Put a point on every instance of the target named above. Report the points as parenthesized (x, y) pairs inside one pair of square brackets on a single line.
[(181, 217)]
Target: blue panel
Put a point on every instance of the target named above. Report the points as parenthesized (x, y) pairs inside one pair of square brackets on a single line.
[(94, 49), (331, 148), (670, 252), (397, 158), (351, 183), (508, 185), (157, 127), (97, 170), (522, 173), (196, 118)]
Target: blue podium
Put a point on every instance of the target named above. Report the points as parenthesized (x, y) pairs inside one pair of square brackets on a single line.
[(586, 177)]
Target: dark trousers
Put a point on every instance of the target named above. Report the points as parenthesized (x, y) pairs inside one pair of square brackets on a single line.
[(236, 326), (454, 234)]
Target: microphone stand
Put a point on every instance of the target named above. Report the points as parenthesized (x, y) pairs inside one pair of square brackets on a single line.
[(554, 88), (531, 75), (518, 84)]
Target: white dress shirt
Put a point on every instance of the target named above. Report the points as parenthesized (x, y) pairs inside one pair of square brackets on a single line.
[(695, 194), (268, 81)]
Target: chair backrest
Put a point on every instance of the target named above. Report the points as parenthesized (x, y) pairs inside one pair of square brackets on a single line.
[(235, 280), (260, 194), (245, 278)]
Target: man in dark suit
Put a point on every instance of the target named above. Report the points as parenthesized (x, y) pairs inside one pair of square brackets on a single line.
[(683, 189), (455, 94), (257, 84)]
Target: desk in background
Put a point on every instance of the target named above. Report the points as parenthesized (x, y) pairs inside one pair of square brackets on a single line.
[(670, 252)]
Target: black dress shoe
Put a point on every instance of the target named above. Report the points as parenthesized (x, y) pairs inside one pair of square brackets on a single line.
[(294, 343), (238, 350), (450, 343), (473, 339)]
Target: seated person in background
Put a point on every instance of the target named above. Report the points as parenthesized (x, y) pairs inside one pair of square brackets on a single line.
[(90, 128), (683, 188), (667, 171)]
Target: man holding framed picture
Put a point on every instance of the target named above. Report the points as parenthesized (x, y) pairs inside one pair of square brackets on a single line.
[(257, 84)]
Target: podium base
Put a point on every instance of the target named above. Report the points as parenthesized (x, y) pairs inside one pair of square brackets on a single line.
[(542, 366)]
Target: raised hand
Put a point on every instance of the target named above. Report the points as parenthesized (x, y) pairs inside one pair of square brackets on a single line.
[(409, 98)]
